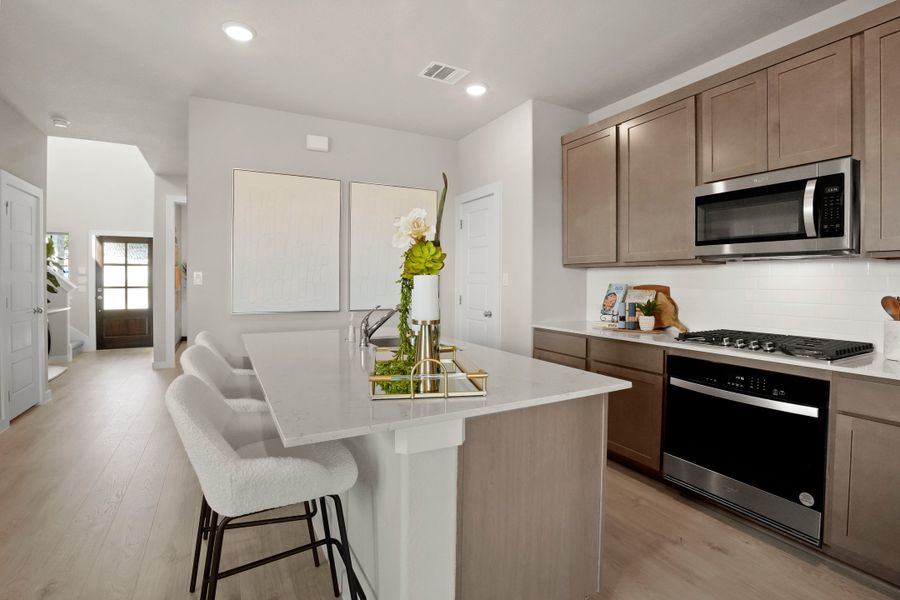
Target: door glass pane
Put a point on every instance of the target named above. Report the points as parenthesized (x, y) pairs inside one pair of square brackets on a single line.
[(113, 276), (138, 276), (113, 252), (113, 298), (138, 254), (138, 298)]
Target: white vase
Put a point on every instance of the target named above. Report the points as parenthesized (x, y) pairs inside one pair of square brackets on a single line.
[(647, 323), (892, 340)]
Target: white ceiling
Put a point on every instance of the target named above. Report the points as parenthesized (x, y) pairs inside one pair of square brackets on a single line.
[(122, 71)]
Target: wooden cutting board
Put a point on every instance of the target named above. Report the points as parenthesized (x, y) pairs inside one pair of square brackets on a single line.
[(667, 315)]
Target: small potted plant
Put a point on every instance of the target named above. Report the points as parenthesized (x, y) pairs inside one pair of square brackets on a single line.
[(647, 320)]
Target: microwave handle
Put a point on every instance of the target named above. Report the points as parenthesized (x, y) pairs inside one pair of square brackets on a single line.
[(809, 205)]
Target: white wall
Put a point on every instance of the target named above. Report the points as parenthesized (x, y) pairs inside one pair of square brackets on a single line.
[(168, 194), (224, 136), (837, 298), (23, 147), (830, 17), (501, 151), (95, 186), (558, 292)]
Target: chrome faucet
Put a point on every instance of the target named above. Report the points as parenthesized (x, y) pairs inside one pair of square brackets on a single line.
[(366, 332)]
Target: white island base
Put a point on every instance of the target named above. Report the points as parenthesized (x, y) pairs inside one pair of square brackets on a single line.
[(494, 497)]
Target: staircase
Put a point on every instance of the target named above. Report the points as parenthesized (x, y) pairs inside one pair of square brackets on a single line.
[(77, 347)]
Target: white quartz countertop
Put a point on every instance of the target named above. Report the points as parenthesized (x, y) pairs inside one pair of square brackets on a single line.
[(316, 385), (868, 365)]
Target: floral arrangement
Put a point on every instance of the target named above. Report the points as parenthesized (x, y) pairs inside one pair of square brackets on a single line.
[(423, 256)]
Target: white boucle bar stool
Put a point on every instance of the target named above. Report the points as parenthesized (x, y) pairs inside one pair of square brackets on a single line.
[(240, 363), (243, 472), (241, 388)]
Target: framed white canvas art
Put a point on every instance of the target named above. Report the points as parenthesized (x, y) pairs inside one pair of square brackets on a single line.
[(285, 243), (374, 261)]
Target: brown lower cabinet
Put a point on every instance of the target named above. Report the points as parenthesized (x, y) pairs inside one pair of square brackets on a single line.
[(863, 520), (635, 416)]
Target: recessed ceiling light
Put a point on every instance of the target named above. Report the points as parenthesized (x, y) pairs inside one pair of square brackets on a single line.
[(60, 122), (238, 31), (476, 89)]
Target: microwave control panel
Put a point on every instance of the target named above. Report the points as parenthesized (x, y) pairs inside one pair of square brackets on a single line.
[(831, 203)]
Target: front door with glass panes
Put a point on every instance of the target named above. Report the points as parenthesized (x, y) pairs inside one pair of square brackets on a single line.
[(124, 298)]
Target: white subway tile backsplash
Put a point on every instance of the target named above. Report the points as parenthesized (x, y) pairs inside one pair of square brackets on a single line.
[(817, 297)]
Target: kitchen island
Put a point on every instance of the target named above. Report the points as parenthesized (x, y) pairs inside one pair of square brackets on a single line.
[(482, 497)]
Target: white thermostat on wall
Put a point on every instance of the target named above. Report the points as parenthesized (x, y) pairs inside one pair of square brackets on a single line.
[(317, 143)]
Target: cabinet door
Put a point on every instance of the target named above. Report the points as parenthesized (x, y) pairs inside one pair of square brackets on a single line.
[(865, 495), (882, 99), (657, 176), (635, 416), (733, 125), (589, 199), (809, 107)]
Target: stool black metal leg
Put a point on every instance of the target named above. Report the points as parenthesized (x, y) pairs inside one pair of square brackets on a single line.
[(217, 555), (334, 581), (206, 523), (355, 589), (312, 533), (210, 547), (201, 530)]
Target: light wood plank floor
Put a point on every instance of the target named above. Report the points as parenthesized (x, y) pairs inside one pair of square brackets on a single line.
[(98, 501)]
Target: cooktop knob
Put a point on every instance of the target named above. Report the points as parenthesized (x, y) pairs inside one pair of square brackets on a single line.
[(754, 345), (726, 341), (740, 343), (769, 347)]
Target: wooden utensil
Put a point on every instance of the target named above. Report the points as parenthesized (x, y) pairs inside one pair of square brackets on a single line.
[(891, 306)]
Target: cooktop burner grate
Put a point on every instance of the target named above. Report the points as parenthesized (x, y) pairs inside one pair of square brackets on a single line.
[(792, 345)]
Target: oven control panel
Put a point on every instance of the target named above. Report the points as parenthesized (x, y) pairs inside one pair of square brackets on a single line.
[(754, 382)]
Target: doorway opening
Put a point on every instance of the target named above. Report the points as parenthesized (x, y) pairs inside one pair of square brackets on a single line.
[(124, 281)]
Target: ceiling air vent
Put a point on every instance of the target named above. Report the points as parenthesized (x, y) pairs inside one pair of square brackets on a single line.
[(444, 73)]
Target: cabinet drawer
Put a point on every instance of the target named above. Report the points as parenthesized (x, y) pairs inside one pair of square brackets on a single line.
[(561, 343), (629, 354), (868, 398), (560, 359), (635, 416)]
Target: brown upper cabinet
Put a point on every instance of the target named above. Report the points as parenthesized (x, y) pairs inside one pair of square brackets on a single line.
[(589, 199), (809, 107), (657, 174), (882, 132), (733, 126)]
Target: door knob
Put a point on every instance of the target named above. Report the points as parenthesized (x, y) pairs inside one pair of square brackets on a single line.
[(488, 314)]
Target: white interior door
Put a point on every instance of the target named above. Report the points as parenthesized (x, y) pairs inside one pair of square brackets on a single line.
[(22, 277), (478, 267)]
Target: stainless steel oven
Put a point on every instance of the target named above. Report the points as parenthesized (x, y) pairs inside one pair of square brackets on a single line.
[(752, 440), (801, 211)]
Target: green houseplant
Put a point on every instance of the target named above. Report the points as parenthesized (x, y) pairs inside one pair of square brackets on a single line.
[(647, 320)]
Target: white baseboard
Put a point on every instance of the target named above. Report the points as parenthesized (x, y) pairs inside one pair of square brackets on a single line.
[(4, 425), (163, 364), (48, 396)]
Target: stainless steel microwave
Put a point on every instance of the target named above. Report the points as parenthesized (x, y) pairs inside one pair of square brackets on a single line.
[(802, 211)]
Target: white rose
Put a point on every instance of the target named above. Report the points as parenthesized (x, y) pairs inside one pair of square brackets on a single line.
[(410, 228)]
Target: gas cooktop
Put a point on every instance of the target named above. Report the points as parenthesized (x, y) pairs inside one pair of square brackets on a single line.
[(792, 345)]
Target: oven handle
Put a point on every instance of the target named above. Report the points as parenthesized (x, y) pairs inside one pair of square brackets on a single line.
[(809, 199), (797, 409)]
